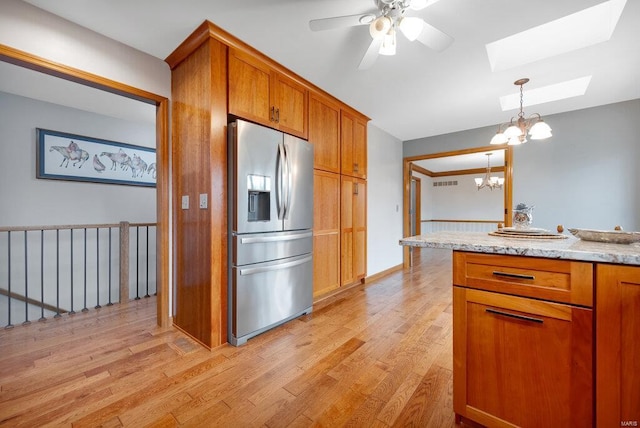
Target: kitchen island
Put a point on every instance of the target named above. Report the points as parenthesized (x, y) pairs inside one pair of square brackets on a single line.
[(545, 330)]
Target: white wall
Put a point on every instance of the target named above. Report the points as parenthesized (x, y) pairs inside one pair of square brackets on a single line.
[(33, 30), (28, 201), (585, 176), (384, 201), (464, 201)]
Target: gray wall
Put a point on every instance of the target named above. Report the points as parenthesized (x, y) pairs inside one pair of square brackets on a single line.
[(585, 176), (28, 201)]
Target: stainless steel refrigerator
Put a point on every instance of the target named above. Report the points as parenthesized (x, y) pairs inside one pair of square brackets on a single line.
[(270, 229)]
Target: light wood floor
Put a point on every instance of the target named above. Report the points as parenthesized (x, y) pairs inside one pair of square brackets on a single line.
[(374, 356)]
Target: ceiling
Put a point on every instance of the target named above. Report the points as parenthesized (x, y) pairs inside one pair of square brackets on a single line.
[(462, 162), (416, 93), (32, 84)]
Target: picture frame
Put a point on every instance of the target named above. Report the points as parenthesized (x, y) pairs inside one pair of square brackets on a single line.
[(71, 157)]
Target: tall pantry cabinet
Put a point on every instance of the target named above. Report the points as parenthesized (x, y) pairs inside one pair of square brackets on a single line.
[(340, 144), (215, 77)]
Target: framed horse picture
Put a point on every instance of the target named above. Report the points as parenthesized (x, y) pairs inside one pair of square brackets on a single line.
[(63, 156)]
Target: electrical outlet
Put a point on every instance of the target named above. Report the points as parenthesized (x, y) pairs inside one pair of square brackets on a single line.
[(185, 202), (203, 200)]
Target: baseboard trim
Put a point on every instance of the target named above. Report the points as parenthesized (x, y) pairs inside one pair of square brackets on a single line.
[(335, 292), (363, 281), (384, 273)]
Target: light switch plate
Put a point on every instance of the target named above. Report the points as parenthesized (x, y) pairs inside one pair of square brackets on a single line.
[(185, 202), (203, 200)]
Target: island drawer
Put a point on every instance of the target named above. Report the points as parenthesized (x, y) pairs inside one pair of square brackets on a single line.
[(563, 281)]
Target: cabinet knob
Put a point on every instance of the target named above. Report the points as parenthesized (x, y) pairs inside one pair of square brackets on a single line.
[(355, 188), (272, 115), (355, 167), (277, 115)]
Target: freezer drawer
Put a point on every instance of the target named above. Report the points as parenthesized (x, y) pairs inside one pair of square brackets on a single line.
[(260, 247), (265, 295)]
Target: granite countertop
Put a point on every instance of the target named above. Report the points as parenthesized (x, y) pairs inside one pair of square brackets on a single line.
[(570, 248)]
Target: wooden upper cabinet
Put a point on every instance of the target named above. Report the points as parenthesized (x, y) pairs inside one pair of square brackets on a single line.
[(324, 132), (261, 94), (354, 144), (249, 88), (289, 103)]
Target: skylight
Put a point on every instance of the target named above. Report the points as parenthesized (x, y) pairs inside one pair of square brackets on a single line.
[(545, 94), (578, 30)]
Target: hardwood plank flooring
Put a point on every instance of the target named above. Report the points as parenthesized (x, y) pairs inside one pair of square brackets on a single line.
[(376, 355)]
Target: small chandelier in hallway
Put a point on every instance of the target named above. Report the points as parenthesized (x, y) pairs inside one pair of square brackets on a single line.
[(488, 180)]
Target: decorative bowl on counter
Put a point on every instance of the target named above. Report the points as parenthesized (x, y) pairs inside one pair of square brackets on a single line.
[(610, 236)]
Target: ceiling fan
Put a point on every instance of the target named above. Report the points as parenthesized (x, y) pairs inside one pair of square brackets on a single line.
[(383, 24)]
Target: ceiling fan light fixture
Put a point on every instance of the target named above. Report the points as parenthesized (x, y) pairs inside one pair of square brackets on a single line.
[(411, 27), (379, 27), (388, 46)]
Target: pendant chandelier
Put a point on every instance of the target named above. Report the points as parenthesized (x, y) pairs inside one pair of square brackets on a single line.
[(516, 132), (488, 180)]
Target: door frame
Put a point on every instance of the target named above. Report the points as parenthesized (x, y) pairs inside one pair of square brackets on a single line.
[(418, 206), (33, 62), (407, 172)]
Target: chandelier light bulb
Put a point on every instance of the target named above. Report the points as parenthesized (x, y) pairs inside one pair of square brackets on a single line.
[(540, 130), (512, 132), (516, 141), (499, 138)]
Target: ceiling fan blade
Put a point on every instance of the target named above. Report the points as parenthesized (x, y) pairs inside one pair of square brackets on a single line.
[(434, 38), (421, 4), (371, 54), (340, 22)]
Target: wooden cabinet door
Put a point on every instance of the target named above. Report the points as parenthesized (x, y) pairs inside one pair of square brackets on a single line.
[(324, 132), (360, 229), (617, 345), (290, 102), (353, 227), (353, 145), (249, 88), (326, 232), (521, 362), (347, 126), (347, 273), (360, 148)]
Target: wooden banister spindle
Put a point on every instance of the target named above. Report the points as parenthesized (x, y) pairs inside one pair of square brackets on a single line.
[(124, 261)]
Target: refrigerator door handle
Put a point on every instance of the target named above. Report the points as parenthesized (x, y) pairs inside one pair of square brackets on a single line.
[(289, 182), (287, 265), (264, 239), (280, 201)]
